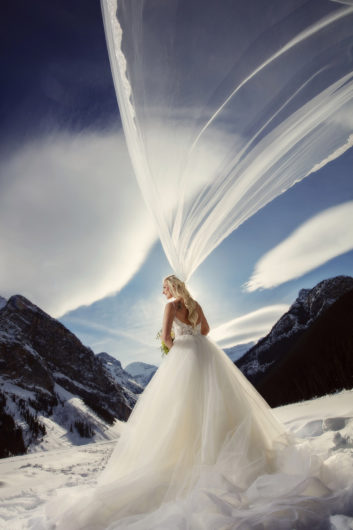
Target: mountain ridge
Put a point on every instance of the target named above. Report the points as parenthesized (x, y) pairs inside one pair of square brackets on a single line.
[(48, 374), (277, 366), (307, 307)]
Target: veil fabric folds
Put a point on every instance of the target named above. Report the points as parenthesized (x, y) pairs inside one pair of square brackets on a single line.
[(225, 106)]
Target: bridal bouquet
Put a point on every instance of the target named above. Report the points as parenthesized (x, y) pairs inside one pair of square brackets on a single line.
[(164, 347)]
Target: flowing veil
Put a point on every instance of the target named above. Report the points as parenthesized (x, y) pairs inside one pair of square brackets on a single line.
[(225, 106)]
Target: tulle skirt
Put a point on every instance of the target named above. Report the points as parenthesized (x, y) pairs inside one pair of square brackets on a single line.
[(202, 450)]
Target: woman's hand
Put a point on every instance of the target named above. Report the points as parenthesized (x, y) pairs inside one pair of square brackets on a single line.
[(168, 343)]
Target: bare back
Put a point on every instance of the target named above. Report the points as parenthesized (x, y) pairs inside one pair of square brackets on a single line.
[(178, 310), (181, 313)]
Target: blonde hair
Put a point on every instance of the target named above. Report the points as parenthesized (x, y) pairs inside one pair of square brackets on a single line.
[(179, 290)]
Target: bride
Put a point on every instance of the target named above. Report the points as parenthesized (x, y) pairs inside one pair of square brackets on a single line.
[(202, 449)]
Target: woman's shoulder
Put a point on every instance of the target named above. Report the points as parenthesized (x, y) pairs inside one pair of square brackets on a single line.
[(169, 306), (173, 306)]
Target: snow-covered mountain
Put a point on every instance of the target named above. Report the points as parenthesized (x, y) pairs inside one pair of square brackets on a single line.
[(308, 306), (235, 352), (51, 384), (141, 372), (323, 311), (118, 374)]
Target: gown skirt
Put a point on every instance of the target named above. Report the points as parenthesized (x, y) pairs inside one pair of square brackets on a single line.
[(202, 450)]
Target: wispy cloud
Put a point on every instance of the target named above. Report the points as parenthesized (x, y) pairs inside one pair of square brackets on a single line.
[(321, 238), (249, 327), (73, 228), (106, 330)]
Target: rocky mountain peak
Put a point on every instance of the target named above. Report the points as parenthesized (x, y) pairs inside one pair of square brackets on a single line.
[(306, 309), (44, 365), (116, 372), (303, 295), (103, 356), (20, 303), (310, 303), (327, 292)]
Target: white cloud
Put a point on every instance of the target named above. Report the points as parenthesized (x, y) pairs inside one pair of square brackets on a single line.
[(73, 227), (249, 327), (325, 236)]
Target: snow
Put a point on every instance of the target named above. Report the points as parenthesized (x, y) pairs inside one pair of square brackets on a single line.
[(141, 372), (10, 334), (70, 409), (254, 366), (59, 375), (10, 388), (29, 481), (60, 432)]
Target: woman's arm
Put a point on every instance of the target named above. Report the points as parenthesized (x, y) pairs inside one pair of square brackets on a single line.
[(205, 328), (168, 318)]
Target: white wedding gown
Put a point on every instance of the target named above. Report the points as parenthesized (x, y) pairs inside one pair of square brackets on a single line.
[(203, 451)]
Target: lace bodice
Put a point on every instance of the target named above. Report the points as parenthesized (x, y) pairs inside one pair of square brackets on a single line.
[(181, 328)]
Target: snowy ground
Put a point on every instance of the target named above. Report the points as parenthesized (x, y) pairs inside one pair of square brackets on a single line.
[(27, 482)]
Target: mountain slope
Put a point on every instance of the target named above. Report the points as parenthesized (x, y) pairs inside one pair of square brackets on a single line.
[(48, 374), (118, 374), (320, 362), (310, 304), (309, 351)]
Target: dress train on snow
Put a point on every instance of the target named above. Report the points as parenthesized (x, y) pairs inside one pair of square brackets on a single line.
[(202, 450)]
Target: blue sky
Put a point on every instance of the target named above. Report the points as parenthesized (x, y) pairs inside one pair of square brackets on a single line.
[(76, 236)]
